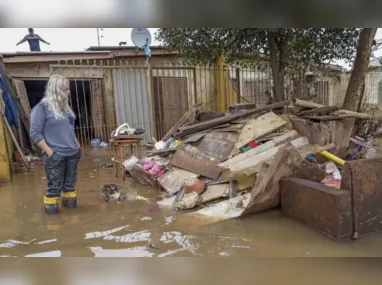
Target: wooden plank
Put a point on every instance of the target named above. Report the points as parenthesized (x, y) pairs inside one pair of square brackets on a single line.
[(307, 104), (194, 138), (258, 127), (230, 118), (188, 115), (321, 110), (253, 164), (328, 117), (23, 96), (217, 144), (251, 153), (287, 162), (15, 141)]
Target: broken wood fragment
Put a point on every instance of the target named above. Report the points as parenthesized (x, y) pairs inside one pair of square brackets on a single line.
[(287, 162), (253, 164), (274, 142), (320, 110), (188, 115), (258, 127), (307, 104), (232, 189), (229, 118), (328, 117)]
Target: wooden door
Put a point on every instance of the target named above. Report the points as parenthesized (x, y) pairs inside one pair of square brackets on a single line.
[(171, 102)]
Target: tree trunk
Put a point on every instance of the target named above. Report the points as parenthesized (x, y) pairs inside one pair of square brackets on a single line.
[(277, 51), (357, 78)]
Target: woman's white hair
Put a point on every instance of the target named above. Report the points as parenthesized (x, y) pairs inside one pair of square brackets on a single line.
[(55, 98)]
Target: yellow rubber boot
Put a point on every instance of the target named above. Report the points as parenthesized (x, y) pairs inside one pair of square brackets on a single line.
[(51, 205), (69, 199)]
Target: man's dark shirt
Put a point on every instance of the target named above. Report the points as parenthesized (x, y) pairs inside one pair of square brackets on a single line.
[(34, 42)]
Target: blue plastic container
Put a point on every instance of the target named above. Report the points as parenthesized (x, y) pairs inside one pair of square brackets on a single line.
[(95, 142)]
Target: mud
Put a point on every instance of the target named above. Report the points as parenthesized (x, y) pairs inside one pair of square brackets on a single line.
[(136, 227)]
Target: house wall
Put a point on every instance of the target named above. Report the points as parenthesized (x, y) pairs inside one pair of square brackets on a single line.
[(201, 86), (373, 87)]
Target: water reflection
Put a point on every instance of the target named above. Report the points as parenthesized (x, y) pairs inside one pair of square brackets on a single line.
[(55, 253), (133, 228), (125, 252)]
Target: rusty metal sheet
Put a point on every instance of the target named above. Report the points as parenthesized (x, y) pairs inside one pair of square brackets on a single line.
[(218, 144), (196, 164), (193, 150), (323, 208), (363, 178)]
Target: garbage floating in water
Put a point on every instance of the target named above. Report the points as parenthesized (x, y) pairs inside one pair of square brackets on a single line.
[(110, 193)]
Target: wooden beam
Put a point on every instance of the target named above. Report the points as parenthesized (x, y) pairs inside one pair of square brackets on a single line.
[(321, 110), (14, 140), (230, 118), (307, 104)]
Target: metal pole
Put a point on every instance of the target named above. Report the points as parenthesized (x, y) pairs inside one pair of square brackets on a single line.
[(98, 36)]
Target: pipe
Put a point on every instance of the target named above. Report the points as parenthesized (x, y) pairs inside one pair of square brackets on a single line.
[(333, 158)]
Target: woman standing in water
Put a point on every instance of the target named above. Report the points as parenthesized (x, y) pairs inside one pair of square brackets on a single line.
[(52, 129)]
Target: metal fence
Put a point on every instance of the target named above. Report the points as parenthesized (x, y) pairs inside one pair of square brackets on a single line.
[(106, 94)]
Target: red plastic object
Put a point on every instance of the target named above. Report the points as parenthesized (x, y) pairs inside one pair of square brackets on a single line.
[(253, 144)]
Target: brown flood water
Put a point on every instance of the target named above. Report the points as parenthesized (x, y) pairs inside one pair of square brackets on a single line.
[(137, 228)]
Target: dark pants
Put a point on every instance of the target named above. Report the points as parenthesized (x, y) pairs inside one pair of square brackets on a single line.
[(61, 173)]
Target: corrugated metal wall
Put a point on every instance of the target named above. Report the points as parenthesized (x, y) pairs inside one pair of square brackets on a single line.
[(132, 100)]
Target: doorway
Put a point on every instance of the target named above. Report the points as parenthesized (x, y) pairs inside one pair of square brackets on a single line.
[(171, 102)]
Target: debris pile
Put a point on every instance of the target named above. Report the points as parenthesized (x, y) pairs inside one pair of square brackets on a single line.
[(231, 164)]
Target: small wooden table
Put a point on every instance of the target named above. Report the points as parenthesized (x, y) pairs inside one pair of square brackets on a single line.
[(119, 159)]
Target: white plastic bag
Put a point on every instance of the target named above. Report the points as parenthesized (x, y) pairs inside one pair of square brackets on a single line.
[(130, 163), (160, 145)]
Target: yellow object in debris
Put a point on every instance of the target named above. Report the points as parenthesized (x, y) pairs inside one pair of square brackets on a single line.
[(333, 158), (175, 144), (141, 198)]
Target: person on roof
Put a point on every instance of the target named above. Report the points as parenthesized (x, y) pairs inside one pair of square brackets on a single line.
[(33, 40)]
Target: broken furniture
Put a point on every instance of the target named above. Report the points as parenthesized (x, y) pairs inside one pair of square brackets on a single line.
[(341, 214), (323, 208), (119, 147)]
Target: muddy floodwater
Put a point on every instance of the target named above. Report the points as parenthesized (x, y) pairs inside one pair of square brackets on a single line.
[(138, 228)]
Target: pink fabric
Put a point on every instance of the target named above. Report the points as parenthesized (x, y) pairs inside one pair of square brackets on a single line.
[(153, 168), (148, 164)]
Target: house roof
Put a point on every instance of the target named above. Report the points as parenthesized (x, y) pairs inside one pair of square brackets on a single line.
[(109, 48), (106, 52)]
